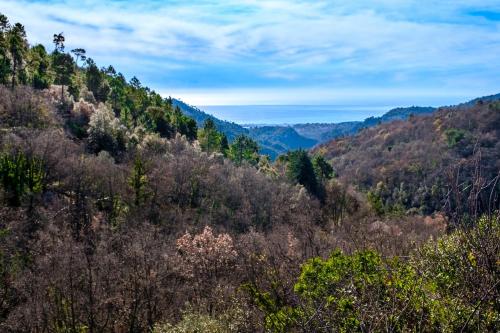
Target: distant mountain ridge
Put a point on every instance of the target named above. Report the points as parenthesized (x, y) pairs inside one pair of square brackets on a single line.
[(325, 132), (232, 130), (276, 140)]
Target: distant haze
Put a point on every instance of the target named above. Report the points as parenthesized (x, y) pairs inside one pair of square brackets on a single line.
[(292, 114)]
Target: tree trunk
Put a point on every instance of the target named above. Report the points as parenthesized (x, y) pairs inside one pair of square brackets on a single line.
[(14, 69)]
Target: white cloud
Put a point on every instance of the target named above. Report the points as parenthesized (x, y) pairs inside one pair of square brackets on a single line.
[(288, 40)]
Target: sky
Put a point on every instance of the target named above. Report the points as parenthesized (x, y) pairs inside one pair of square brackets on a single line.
[(272, 52)]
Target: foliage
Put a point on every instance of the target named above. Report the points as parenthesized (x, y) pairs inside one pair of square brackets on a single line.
[(322, 169), (300, 170), (210, 139), (454, 136), (363, 292), (39, 64), (64, 67), (244, 149), (18, 47), (105, 132), (20, 176), (138, 181), (96, 81)]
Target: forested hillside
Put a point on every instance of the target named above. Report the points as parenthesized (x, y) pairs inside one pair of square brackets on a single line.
[(231, 130), (119, 214), (405, 165), (276, 140), (326, 132), (272, 140)]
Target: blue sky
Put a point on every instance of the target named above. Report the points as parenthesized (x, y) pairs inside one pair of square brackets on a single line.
[(285, 52)]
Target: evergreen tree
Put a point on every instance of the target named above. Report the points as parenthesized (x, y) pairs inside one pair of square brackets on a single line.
[(184, 125), (117, 84), (18, 47), (138, 181), (59, 42), (244, 149), (62, 63), (158, 121), (224, 144), (64, 68), (80, 54), (96, 81), (5, 64), (39, 63), (322, 168), (209, 137), (300, 170)]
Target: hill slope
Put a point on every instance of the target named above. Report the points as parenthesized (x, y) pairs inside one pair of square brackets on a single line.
[(325, 132), (279, 139), (273, 140), (405, 164), (231, 130), (276, 140)]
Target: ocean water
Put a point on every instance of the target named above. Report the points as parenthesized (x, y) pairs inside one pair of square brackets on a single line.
[(292, 114)]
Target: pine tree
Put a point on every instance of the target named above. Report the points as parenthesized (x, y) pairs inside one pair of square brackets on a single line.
[(209, 137), (244, 149), (322, 168), (39, 64), (300, 170), (5, 64), (18, 48)]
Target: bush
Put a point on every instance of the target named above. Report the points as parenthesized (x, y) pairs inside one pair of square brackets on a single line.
[(454, 136), (105, 132)]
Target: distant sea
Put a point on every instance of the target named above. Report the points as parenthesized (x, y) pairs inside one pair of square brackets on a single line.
[(292, 114)]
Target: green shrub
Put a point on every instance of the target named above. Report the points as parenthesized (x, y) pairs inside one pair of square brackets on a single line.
[(20, 176), (454, 136)]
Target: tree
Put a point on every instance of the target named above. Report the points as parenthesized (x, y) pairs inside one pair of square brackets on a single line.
[(138, 181), (20, 175), (300, 170), (106, 132), (5, 64), (39, 63), (182, 124), (18, 47), (322, 168), (79, 54), (58, 41), (224, 144), (64, 68), (135, 83), (117, 84), (96, 81), (209, 137), (159, 121), (244, 148)]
